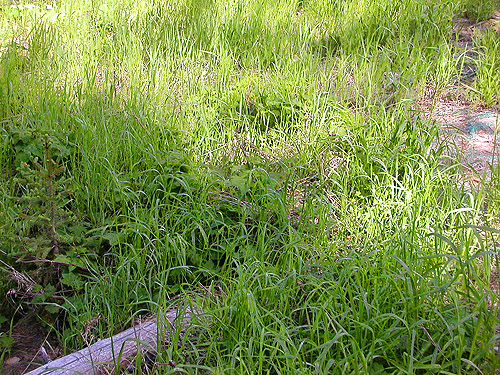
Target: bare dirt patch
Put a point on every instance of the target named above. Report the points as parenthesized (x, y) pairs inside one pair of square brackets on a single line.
[(468, 131), (469, 134), (28, 337)]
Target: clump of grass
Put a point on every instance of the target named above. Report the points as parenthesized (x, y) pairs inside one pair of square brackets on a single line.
[(479, 12), (488, 68), (262, 161)]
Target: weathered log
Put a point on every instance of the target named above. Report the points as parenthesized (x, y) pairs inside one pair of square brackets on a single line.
[(110, 352)]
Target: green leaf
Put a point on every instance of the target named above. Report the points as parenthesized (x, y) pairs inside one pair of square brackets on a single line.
[(72, 280), (113, 238), (52, 308), (241, 182), (6, 341)]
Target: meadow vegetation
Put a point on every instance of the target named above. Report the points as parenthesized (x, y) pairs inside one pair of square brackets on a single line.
[(265, 162)]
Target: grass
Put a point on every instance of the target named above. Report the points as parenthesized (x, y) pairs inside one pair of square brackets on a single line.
[(263, 161)]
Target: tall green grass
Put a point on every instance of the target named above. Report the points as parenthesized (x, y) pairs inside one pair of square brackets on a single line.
[(262, 161)]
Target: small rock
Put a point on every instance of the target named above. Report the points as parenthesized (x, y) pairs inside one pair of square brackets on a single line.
[(12, 361)]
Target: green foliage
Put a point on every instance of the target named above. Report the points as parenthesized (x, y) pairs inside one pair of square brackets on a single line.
[(263, 162), (40, 224), (40, 202), (263, 109), (489, 69), (12, 64), (479, 11)]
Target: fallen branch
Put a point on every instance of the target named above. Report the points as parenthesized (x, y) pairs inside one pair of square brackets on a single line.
[(114, 350), (54, 262)]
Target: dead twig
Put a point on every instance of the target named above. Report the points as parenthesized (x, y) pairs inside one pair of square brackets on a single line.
[(55, 262)]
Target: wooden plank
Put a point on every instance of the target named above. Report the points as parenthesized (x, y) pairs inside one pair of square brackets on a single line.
[(109, 352)]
